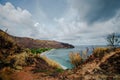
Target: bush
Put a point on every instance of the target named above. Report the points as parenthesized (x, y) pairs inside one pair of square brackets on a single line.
[(100, 52), (75, 59), (59, 70), (38, 51), (6, 41)]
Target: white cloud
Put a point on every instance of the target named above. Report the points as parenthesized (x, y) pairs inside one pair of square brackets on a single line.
[(77, 31), (18, 21), (36, 24), (17, 15), (70, 27), (15, 19)]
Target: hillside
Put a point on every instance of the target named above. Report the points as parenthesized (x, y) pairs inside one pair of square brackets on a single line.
[(32, 43), (26, 42), (18, 63), (106, 66)]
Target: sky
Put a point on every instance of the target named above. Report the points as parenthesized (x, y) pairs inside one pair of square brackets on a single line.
[(78, 22)]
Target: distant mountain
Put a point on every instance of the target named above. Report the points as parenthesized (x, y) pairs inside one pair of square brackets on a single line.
[(26, 42)]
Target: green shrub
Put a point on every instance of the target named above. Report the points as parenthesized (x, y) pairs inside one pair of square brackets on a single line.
[(59, 70), (38, 51)]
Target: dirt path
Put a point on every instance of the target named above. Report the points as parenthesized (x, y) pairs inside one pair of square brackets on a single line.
[(28, 74), (86, 70), (95, 64), (89, 67), (106, 57), (25, 74)]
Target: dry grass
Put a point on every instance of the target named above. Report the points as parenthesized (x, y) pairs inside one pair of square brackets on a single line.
[(75, 59), (100, 52), (8, 49), (6, 41), (51, 62), (84, 54), (20, 59)]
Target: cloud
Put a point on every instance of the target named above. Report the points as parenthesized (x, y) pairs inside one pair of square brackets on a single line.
[(36, 24), (18, 21), (95, 10), (77, 31), (83, 22)]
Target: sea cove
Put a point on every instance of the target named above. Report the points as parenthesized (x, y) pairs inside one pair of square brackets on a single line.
[(62, 55), (59, 39)]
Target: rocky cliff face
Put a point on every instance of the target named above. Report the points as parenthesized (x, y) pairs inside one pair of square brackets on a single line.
[(35, 43)]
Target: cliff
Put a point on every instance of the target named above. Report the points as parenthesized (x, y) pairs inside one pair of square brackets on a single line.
[(17, 63), (26, 42)]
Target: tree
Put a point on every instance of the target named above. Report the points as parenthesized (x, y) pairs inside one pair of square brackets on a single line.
[(113, 40)]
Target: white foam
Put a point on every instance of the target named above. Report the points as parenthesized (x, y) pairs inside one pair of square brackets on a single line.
[(46, 52), (63, 67)]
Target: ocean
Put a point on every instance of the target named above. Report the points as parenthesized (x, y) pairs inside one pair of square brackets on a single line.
[(62, 55)]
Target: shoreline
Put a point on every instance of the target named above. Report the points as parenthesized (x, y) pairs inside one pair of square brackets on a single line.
[(46, 52), (47, 59)]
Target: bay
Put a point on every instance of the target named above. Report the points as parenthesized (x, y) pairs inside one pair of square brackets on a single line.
[(62, 55)]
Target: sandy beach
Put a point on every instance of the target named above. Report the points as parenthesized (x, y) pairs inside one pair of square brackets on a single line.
[(44, 56)]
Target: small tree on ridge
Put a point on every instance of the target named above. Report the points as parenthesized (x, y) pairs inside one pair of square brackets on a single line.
[(113, 40)]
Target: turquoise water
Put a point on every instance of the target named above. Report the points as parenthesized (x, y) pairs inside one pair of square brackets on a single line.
[(62, 55)]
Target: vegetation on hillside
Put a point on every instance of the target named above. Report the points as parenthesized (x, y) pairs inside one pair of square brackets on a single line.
[(51, 62), (103, 63), (75, 59), (14, 58), (99, 52), (40, 50)]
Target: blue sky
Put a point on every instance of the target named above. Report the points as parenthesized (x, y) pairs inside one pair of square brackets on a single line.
[(79, 22)]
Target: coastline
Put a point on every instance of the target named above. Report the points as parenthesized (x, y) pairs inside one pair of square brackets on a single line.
[(46, 52), (51, 62)]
